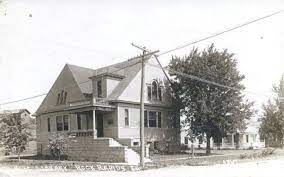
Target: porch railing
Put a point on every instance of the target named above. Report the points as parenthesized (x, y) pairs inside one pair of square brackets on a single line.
[(102, 101), (81, 133)]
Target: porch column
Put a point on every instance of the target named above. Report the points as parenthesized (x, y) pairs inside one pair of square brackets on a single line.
[(222, 142), (94, 124), (233, 141)]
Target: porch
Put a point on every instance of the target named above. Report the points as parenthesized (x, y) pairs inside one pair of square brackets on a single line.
[(92, 119)]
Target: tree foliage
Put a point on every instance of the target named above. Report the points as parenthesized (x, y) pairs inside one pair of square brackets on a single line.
[(14, 133), (210, 109), (272, 119)]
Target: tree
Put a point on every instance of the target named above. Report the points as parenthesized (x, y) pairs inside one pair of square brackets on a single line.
[(210, 110), (14, 133), (272, 119)]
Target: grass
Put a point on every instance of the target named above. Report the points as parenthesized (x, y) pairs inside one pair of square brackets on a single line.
[(200, 153), (217, 157), (158, 161)]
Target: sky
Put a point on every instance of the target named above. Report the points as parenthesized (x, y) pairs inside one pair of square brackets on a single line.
[(37, 38)]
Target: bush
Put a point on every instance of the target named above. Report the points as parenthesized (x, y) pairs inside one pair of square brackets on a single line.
[(267, 152), (57, 147)]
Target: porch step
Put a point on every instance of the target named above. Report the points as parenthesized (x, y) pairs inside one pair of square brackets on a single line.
[(114, 143), (132, 157)]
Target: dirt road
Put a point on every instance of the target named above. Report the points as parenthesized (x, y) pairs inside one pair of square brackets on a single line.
[(271, 168)]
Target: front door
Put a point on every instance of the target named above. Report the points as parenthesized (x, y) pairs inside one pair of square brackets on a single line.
[(100, 125)]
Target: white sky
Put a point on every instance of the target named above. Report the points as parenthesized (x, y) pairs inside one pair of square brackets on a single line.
[(33, 50)]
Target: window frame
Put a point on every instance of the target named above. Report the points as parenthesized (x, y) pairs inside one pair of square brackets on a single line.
[(48, 125), (126, 118), (64, 117), (151, 120), (58, 99), (154, 95), (99, 88), (58, 123), (154, 92), (64, 97), (79, 121), (186, 140), (89, 122)]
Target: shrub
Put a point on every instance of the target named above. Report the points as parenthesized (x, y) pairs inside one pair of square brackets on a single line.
[(57, 147)]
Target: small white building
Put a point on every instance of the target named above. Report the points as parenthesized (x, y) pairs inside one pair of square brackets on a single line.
[(249, 139)]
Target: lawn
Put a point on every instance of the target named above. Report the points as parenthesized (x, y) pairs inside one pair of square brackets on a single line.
[(200, 153)]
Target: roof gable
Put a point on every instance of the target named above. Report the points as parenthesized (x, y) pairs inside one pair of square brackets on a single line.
[(65, 81), (81, 76)]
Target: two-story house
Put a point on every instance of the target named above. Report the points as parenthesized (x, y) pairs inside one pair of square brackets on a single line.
[(98, 110)]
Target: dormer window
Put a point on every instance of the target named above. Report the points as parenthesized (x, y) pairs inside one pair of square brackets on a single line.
[(99, 88), (154, 91), (61, 97)]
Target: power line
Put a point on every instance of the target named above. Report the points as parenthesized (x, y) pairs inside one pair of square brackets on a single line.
[(69, 86), (220, 33), (28, 98), (204, 80), (171, 50)]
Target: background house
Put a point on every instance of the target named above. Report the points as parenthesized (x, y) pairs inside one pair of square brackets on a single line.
[(248, 139), (26, 118)]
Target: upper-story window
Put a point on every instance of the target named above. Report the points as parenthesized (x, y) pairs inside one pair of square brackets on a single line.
[(48, 124), (99, 88), (154, 91), (126, 117), (61, 97)]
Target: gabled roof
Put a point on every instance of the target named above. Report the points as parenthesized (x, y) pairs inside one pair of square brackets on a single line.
[(126, 70), (14, 111), (81, 76)]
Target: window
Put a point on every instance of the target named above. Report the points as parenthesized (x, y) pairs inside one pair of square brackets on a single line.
[(64, 99), (152, 119), (247, 138), (79, 122), (61, 97), (89, 121), (58, 98), (159, 120), (126, 117), (145, 118), (59, 123), (154, 90), (99, 87), (48, 124), (186, 140), (65, 122)]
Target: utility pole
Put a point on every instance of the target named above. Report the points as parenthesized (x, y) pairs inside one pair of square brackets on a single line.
[(142, 138)]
